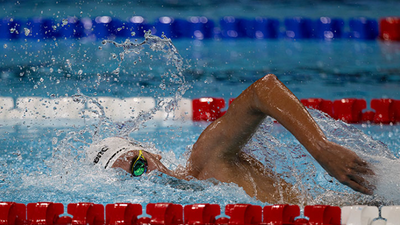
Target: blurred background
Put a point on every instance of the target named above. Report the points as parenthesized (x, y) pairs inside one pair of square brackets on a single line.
[(212, 9)]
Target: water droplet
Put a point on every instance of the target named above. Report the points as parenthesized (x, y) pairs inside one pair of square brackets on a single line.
[(100, 48), (119, 29), (5, 46), (114, 56), (116, 71), (54, 141), (162, 86), (133, 34), (80, 72), (41, 79), (35, 87), (51, 70), (12, 30), (64, 22), (27, 31), (104, 42)]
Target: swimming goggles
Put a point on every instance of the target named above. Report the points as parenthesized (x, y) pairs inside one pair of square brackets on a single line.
[(139, 167)]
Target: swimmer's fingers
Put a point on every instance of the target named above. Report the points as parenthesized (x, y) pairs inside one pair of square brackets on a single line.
[(357, 187), (363, 168), (360, 184)]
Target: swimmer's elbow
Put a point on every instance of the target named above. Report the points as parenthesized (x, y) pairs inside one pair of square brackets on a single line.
[(264, 85), (262, 90)]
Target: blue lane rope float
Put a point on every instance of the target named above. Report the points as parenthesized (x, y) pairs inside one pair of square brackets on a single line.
[(229, 27)]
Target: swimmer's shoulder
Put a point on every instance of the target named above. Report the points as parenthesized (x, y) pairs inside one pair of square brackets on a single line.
[(206, 163)]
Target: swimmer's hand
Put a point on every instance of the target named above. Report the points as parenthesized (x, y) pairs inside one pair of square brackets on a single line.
[(346, 167)]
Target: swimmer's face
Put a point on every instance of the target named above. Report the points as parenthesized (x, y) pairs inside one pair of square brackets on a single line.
[(153, 161)]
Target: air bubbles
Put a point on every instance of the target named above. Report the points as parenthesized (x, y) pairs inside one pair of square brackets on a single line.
[(80, 72), (133, 34), (104, 42)]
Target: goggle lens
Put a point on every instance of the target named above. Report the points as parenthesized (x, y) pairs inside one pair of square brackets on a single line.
[(140, 167)]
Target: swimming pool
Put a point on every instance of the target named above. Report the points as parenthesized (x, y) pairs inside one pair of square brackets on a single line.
[(45, 161)]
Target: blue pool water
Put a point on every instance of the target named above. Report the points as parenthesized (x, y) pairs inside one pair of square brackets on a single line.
[(45, 162)]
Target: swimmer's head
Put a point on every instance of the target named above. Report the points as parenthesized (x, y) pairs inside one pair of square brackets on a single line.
[(118, 152)]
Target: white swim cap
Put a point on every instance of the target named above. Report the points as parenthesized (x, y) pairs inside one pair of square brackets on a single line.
[(107, 151)]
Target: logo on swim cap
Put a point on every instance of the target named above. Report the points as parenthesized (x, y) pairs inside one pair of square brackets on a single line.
[(109, 150), (100, 153)]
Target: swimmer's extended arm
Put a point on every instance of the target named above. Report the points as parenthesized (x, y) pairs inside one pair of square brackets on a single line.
[(269, 97)]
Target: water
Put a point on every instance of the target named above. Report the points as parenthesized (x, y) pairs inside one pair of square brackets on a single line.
[(41, 163)]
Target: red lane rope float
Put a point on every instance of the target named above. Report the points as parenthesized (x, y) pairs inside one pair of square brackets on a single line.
[(207, 109), (85, 213), (45, 213), (390, 29), (350, 110)]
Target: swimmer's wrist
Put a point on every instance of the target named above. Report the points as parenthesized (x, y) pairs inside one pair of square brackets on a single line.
[(318, 148)]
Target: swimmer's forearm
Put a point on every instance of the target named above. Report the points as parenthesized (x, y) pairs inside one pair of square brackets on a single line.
[(274, 99)]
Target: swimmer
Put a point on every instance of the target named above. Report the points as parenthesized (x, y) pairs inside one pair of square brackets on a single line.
[(217, 152)]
